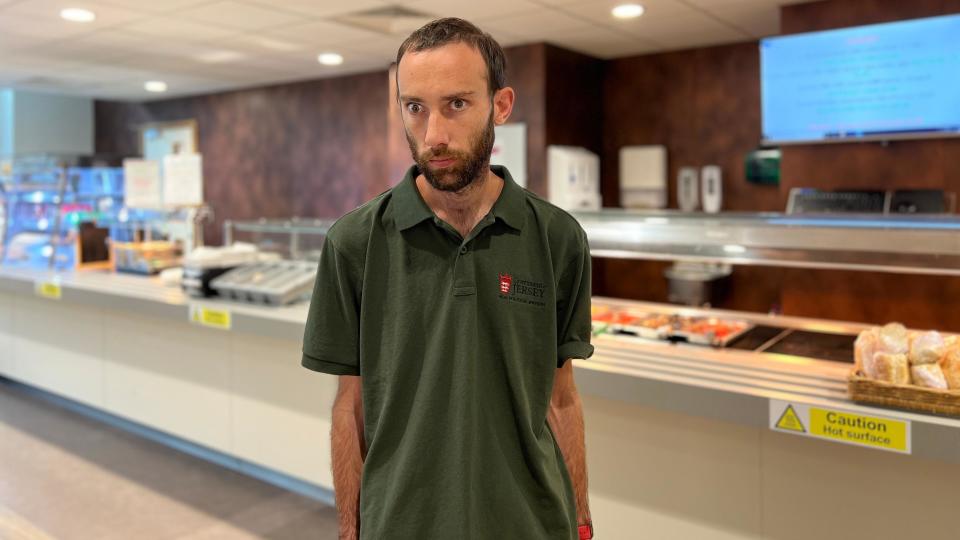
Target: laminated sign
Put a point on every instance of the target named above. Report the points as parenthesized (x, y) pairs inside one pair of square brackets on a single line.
[(840, 425)]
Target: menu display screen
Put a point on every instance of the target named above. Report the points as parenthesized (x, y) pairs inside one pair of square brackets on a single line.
[(882, 81)]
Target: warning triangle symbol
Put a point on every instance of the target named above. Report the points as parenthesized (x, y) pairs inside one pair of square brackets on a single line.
[(790, 421)]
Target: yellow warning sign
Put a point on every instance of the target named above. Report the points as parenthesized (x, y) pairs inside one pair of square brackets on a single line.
[(840, 425), (790, 421), (48, 289), (859, 429), (213, 318)]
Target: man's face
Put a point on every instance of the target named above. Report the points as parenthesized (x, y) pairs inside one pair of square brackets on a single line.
[(448, 114)]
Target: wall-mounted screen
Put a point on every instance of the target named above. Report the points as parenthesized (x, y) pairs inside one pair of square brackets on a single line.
[(882, 81)]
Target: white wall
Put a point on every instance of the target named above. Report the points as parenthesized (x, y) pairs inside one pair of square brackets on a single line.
[(6, 123), (37, 123)]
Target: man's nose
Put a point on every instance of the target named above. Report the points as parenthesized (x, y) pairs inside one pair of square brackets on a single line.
[(437, 133)]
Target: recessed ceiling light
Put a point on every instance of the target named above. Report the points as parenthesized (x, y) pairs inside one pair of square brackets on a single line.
[(219, 57), (330, 59), (155, 86), (627, 11), (78, 15)]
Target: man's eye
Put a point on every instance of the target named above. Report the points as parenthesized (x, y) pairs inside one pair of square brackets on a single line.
[(414, 108), (458, 104)]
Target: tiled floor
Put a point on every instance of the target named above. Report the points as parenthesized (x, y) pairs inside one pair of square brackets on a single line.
[(66, 476)]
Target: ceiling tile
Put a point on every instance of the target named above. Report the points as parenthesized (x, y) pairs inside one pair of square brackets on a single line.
[(48, 11), (324, 8), (471, 10), (321, 33), (175, 28), (601, 10), (758, 18), (534, 25), (602, 43), (256, 44), (162, 6), (239, 15), (37, 27)]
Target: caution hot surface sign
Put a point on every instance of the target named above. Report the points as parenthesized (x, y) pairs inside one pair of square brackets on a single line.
[(840, 425)]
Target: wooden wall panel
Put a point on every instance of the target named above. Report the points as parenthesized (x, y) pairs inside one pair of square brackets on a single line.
[(302, 149), (574, 99), (921, 301), (704, 106), (526, 75)]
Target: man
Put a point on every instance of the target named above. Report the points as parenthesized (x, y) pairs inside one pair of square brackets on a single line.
[(449, 307)]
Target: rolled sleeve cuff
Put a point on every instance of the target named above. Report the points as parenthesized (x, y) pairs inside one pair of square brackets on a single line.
[(573, 349), (324, 366)]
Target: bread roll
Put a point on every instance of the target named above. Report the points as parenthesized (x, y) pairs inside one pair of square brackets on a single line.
[(894, 339), (892, 368), (928, 375), (863, 350), (950, 365), (926, 348)]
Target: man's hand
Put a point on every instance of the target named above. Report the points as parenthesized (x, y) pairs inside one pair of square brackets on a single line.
[(348, 449), (566, 420)]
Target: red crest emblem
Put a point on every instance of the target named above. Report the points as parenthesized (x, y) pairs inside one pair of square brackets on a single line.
[(506, 281)]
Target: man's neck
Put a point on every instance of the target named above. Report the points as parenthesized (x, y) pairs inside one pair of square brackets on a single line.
[(465, 208)]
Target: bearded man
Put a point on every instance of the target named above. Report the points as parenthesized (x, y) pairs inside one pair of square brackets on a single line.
[(450, 307)]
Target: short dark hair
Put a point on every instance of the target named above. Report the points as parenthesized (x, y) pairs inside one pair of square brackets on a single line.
[(440, 32)]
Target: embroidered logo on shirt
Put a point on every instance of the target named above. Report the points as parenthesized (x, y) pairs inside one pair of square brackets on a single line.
[(521, 290), (506, 281)]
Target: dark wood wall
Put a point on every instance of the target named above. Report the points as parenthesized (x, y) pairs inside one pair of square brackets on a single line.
[(312, 149), (704, 106), (921, 301)]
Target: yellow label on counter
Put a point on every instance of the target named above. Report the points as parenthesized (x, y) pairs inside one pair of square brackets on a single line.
[(214, 318), (48, 289), (838, 425), (859, 429)]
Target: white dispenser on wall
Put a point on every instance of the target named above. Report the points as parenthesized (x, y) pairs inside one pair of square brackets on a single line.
[(643, 176), (711, 182), (573, 178), (688, 189)]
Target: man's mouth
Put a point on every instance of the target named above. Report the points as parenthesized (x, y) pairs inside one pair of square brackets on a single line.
[(442, 162)]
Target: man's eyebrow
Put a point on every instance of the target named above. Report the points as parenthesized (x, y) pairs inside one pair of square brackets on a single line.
[(456, 95)]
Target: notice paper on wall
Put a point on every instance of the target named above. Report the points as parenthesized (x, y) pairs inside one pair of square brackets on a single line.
[(510, 150), (840, 425), (142, 186), (183, 180)]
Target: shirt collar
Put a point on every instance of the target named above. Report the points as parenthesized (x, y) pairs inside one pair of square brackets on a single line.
[(410, 208)]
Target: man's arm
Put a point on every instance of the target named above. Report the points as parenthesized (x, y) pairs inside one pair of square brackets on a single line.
[(566, 420), (348, 451)]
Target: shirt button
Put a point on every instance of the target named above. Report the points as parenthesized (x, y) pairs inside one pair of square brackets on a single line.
[(463, 250)]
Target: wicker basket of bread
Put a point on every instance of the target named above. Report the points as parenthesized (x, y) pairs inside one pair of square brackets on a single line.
[(898, 368)]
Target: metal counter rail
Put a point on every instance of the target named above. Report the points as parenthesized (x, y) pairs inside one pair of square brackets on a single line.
[(723, 384), (904, 244)]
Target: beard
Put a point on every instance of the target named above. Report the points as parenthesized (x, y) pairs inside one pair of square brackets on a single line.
[(471, 164)]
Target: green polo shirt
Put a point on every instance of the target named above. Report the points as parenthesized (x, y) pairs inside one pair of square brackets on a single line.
[(457, 341)]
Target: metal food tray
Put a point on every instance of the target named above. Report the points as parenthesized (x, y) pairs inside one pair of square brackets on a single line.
[(272, 283), (639, 330), (709, 338)]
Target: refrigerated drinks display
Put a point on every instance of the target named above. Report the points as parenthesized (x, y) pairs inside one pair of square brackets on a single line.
[(47, 199)]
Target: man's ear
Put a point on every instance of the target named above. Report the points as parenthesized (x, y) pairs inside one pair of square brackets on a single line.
[(503, 105)]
